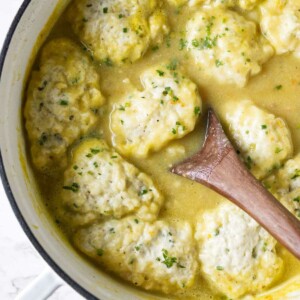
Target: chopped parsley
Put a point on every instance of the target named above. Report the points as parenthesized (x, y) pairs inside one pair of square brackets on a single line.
[(219, 63), (155, 48), (95, 151), (197, 110), (125, 30), (219, 268), (278, 150), (264, 127), (43, 139), (296, 175), (108, 62), (168, 41), (172, 66), (249, 162), (63, 102), (136, 221), (100, 252), (195, 43), (143, 191), (297, 199), (182, 44), (74, 187), (105, 10), (278, 87), (264, 248), (168, 260), (160, 73)]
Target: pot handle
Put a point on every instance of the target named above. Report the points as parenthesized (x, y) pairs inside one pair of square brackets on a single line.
[(42, 287)]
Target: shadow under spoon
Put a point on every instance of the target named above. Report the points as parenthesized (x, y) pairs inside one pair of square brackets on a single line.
[(218, 167)]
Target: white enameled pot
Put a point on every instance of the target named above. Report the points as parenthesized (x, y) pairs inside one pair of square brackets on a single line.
[(25, 35), (23, 40)]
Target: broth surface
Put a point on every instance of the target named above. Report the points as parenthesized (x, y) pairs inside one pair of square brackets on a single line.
[(184, 199)]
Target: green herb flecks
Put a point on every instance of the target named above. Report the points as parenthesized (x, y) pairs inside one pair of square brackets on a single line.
[(108, 62), (172, 66), (160, 73), (182, 44), (249, 162), (74, 187), (168, 260), (296, 174), (219, 63), (143, 192), (297, 199), (278, 150), (197, 110), (63, 102), (100, 252), (43, 139), (95, 150)]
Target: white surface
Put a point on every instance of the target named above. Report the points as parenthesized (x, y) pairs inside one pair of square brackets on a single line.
[(19, 262)]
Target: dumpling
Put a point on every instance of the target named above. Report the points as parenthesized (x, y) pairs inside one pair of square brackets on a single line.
[(286, 179), (100, 183), (280, 24), (166, 109), (244, 4), (154, 256), (237, 255), (285, 185), (118, 31), (263, 140), (62, 100), (177, 3), (226, 46)]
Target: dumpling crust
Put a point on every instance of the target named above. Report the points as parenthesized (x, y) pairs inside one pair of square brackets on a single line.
[(226, 46), (280, 24), (237, 255), (264, 141), (118, 31), (284, 184), (99, 183), (166, 109), (154, 256), (62, 99), (243, 4)]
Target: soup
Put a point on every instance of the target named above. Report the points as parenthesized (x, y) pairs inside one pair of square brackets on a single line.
[(119, 94)]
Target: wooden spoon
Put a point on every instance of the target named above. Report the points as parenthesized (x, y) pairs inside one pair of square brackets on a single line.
[(218, 166)]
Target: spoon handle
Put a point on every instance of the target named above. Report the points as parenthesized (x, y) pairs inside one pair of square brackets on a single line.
[(218, 166)]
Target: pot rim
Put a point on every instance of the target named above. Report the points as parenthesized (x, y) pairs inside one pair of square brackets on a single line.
[(76, 286)]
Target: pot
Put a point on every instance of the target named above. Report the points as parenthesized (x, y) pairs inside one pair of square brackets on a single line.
[(25, 36), (21, 45)]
